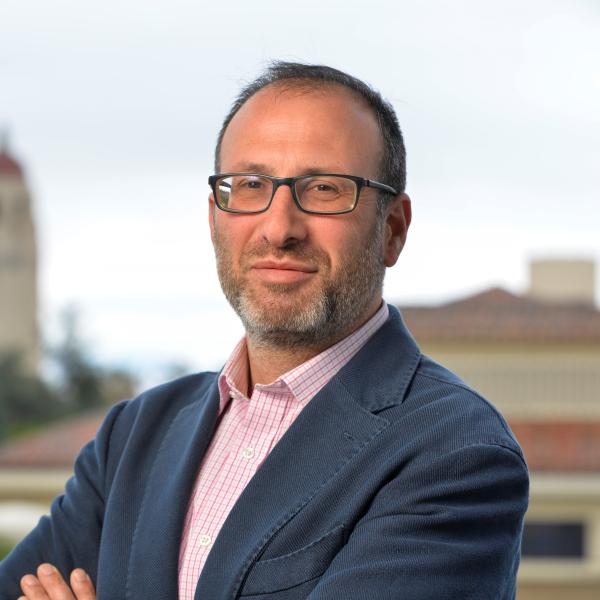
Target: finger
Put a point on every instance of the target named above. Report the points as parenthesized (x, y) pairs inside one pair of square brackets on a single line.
[(32, 588), (53, 583), (82, 585)]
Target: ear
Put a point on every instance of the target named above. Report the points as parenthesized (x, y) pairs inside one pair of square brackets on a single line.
[(397, 221), (211, 216)]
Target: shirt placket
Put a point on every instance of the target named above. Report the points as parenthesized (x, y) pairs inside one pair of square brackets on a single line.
[(262, 423), (222, 486)]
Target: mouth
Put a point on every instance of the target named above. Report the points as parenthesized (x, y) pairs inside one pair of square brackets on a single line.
[(272, 271)]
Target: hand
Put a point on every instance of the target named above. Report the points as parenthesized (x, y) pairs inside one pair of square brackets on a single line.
[(50, 585)]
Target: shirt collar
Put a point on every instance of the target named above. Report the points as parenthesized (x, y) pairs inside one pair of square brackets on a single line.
[(234, 376), (305, 380)]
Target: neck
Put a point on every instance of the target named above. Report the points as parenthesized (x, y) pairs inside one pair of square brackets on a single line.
[(267, 362)]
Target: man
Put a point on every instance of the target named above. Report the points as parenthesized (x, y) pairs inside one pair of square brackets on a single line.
[(329, 459)]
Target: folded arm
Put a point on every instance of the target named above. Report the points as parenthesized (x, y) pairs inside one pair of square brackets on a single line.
[(70, 536)]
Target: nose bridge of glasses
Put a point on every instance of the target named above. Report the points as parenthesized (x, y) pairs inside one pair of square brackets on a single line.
[(290, 183)]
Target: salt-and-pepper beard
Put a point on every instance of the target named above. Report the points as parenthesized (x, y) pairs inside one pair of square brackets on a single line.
[(327, 314)]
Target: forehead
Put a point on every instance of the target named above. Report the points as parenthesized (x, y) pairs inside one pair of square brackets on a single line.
[(331, 123)]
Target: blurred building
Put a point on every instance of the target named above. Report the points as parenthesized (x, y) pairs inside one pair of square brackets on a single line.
[(18, 263), (536, 356), (34, 469)]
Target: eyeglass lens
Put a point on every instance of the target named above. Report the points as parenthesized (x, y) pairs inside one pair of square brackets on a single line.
[(316, 193)]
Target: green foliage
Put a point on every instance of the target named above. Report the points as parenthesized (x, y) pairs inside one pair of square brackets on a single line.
[(82, 380), (24, 398), (27, 401), (5, 548)]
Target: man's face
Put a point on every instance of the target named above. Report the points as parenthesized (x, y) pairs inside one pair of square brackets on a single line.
[(297, 278)]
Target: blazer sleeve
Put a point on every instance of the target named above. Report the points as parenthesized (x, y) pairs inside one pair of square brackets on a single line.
[(70, 536), (449, 529)]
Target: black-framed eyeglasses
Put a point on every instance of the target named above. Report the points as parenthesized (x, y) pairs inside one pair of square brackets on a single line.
[(322, 194)]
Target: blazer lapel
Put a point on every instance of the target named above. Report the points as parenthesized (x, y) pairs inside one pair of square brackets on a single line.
[(153, 571), (331, 430)]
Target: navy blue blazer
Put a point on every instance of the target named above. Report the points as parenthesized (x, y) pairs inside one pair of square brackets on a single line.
[(395, 481)]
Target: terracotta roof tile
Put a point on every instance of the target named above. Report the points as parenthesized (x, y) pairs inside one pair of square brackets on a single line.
[(9, 166), (498, 315), (569, 446), (560, 446), (56, 446)]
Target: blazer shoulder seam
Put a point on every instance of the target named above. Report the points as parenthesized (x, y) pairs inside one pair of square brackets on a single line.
[(512, 450), (474, 394)]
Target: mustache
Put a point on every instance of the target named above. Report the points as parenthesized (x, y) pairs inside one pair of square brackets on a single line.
[(299, 252)]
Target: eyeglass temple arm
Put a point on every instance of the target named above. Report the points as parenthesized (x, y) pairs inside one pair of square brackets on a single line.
[(379, 186)]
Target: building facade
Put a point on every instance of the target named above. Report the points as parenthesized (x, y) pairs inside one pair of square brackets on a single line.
[(536, 356), (18, 264)]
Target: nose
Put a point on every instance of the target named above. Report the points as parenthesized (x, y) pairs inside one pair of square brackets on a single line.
[(284, 224)]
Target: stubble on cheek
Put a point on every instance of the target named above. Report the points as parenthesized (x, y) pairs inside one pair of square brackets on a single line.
[(309, 313)]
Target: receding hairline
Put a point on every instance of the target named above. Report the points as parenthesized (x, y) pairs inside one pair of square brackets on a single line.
[(310, 86)]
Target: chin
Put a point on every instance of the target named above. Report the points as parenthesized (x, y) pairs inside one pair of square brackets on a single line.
[(289, 315)]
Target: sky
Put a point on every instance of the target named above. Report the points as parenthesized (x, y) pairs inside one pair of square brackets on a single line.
[(114, 109)]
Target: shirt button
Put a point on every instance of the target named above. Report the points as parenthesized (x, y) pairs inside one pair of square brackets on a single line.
[(205, 540), (248, 452)]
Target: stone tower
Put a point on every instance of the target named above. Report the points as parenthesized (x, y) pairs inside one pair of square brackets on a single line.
[(18, 264)]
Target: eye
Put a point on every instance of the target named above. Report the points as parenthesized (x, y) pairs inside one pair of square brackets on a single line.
[(250, 183), (322, 186)]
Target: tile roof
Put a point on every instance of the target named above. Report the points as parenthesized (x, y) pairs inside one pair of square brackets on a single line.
[(560, 446), (569, 446), (8, 165), (498, 315), (54, 447)]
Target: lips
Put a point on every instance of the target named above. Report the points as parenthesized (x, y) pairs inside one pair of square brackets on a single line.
[(285, 271), (285, 265)]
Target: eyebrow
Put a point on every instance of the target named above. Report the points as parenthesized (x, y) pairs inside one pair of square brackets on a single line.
[(260, 168)]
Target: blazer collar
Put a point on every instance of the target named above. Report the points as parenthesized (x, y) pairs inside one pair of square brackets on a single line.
[(379, 375), (153, 569)]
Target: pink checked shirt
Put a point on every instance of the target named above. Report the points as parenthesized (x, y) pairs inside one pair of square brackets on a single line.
[(247, 431)]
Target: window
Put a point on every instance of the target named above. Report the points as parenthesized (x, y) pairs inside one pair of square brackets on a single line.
[(553, 539)]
